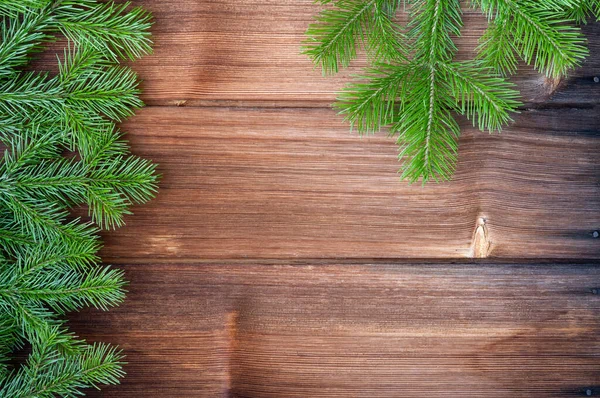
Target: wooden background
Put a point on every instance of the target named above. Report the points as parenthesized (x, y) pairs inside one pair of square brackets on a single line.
[(283, 256)]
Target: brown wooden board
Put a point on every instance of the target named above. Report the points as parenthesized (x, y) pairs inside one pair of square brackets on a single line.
[(412, 330), (295, 183), (248, 53), (255, 166)]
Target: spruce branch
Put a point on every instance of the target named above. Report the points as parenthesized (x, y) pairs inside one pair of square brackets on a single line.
[(374, 100), (480, 95), (48, 259), (114, 30), (414, 86), (334, 38), (21, 37), (581, 10), (13, 8), (538, 34), (50, 372)]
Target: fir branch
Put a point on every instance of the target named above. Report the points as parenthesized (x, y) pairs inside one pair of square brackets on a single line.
[(480, 95), (416, 93), (580, 10), (427, 132), (13, 8), (80, 101), (334, 38), (537, 32), (111, 92), (50, 372), (373, 100), (497, 50), (48, 264), (20, 38), (66, 289), (108, 188), (115, 30)]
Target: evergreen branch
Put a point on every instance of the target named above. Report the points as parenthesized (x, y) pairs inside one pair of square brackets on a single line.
[(111, 93), (481, 96), (50, 372), (385, 41), (13, 8), (428, 144), (48, 265), (79, 101), (375, 99), (416, 90), (334, 38), (61, 254), (108, 188), (9, 341), (20, 38), (30, 92), (10, 240), (539, 35), (107, 144), (432, 26), (67, 289), (580, 10), (40, 220), (27, 148), (497, 49), (115, 31), (133, 177), (427, 131)]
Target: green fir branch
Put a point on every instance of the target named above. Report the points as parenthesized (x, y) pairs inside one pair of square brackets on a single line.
[(334, 38), (538, 34), (115, 30), (414, 87), (580, 10), (48, 259)]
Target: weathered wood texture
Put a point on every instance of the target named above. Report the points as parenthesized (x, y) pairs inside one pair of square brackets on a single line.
[(287, 183), (355, 331), (248, 52)]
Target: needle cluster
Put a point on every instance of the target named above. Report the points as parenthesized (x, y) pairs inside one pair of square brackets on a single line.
[(415, 87), (62, 150)]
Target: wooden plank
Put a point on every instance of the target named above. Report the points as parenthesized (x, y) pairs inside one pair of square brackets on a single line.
[(247, 52), (355, 330), (294, 183)]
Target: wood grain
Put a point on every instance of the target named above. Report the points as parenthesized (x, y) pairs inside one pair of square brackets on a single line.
[(294, 183), (278, 176), (373, 330), (248, 53)]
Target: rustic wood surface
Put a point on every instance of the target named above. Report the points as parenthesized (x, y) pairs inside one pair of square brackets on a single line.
[(248, 52), (294, 183), (258, 174), (368, 330)]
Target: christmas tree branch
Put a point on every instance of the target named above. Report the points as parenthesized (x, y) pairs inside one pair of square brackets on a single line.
[(414, 86)]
